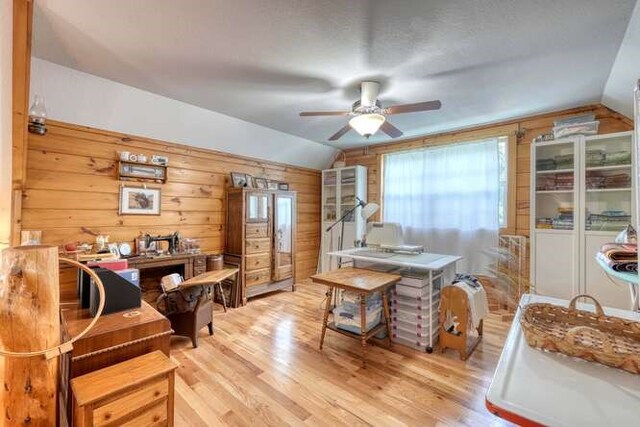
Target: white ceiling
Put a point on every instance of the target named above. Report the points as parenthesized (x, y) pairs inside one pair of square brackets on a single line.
[(265, 61)]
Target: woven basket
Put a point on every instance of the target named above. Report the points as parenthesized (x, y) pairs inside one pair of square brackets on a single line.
[(595, 337)]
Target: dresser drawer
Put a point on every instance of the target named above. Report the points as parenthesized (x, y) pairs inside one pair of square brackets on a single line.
[(200, 261), (257, 277), (131, 403), (257, 230), (156, 415), (257, 261), (258, 245)]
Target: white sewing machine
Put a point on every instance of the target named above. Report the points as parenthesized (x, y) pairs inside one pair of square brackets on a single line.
[(387, 236)]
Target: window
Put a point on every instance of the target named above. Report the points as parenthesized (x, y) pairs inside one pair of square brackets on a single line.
[(450, 198)]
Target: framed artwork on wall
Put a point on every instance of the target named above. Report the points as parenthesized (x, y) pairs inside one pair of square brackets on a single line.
[(139, 201), (260, 183)]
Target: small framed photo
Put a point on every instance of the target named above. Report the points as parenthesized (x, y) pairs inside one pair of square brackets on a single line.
[(260, 183), (250, 183), (283, 186), (272, 185), (239, 180), (139, 201)]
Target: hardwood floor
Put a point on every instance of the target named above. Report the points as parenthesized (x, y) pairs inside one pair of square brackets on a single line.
[(263, 367)]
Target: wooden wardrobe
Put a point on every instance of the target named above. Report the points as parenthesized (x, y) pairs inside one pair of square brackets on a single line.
[(261, 236)]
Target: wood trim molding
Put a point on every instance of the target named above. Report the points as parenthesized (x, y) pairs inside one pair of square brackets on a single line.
[(21, 57)]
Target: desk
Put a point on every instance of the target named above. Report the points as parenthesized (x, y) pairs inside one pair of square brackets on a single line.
[(436, 270), (364, 282), (533, 387)]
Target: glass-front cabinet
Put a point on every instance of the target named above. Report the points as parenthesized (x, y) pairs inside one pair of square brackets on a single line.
[(340, 189), (582, 196)]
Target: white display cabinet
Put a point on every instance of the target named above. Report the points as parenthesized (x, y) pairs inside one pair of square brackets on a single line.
[(340, 187), (582, 196)]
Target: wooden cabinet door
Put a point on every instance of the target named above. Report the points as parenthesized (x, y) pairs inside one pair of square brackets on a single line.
[(258, 206), (284, 223)]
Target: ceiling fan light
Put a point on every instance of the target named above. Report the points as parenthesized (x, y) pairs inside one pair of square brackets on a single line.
[(367, 124)]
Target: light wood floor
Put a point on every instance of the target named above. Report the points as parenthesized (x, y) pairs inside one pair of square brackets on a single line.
[(263, 367)]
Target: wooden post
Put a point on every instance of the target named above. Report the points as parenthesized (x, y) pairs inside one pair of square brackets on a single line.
[(29, 321)]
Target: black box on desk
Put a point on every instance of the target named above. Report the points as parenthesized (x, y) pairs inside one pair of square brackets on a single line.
[(120, 294)]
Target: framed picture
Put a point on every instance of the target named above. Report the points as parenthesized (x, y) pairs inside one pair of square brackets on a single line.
[(272, 185), (250, 182), (260, 183), (283, 186), (239, 180), (139, 201)]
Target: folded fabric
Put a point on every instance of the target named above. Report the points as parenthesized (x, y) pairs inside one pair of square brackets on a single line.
[(622, 266), (620, 252)]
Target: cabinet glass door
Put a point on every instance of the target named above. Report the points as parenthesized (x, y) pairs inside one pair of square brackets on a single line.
[(284, 213), (608, 175), (554, 177), (348, 192), (257, 207), (329, 195)]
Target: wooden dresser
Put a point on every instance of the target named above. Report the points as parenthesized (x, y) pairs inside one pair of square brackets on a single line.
[(261, 235), (136, 392), (115, 338)]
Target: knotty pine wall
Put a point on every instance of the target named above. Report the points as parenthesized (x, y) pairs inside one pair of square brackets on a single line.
[(528, 128), (72, 191)]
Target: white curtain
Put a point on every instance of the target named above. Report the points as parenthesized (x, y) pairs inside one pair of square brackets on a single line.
[(446, 198)]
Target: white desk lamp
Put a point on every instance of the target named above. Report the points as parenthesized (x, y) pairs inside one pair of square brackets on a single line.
[(368, 209)]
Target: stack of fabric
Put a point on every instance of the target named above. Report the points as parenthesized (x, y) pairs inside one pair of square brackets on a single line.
[(564, 181), (620, 180), (610, 220), (595, 158), (564, 219), (595, 180), (545, 164), (546, 182), (620, 256), (618, 158), (564, 161)]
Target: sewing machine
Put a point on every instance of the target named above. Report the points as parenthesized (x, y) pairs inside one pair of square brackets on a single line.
[(387, 237), (173, 241)]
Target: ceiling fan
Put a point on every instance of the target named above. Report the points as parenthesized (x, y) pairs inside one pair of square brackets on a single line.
[(368, 116)]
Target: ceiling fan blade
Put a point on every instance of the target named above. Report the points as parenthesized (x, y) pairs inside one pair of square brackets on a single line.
[(323, 113), (336, 136), (369, 93), (412, 108), (390, 130)]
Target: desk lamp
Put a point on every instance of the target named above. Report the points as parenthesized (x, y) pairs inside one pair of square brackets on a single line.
[(368, 209)]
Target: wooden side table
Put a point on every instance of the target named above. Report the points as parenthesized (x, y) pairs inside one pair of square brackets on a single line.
[(137, 392), (364, 282)]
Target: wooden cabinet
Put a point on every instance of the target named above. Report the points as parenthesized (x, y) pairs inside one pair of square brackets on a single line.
[(261, 229), (136, 392)]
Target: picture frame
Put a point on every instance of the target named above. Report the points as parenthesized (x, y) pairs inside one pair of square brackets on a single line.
[(261, 183), (141, 171), (283, 186), (272, 185), (139, 201), (250, 181), (239, 180)]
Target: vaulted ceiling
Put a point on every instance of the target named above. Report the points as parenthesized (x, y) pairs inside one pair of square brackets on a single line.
[(265, 61)]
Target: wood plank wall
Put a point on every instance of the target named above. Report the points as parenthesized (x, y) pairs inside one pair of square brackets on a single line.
[(525, 128), (72, 191)]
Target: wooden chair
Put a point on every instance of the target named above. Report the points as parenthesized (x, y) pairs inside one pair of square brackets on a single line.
[(455, 301)]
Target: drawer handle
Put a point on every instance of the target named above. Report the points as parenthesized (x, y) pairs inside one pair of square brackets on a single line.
[(157, 393)]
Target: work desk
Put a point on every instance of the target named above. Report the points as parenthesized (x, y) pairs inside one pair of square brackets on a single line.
[(436, 270), (533, 387)]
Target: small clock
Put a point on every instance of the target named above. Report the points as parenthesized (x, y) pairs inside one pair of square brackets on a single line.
[(125, 249)]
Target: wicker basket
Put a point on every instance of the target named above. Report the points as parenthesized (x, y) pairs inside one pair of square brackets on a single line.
[(595, 337)]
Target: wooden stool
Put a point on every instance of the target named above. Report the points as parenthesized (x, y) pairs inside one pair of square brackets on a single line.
[(136, 392), (456, 301)]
